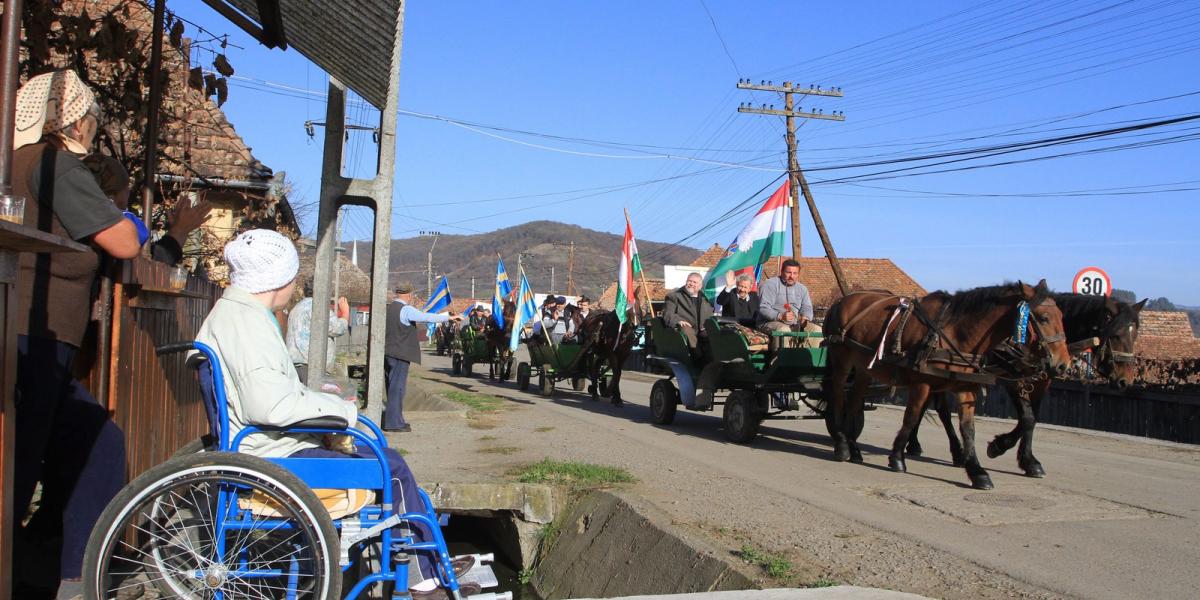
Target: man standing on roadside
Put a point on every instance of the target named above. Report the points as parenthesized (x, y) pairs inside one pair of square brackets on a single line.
[(784, 305), (402, 348)]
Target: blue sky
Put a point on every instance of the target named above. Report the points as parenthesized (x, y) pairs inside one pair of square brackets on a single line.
[(655, 81)]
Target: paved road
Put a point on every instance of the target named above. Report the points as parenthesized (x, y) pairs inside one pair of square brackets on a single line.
[(1117, 517)]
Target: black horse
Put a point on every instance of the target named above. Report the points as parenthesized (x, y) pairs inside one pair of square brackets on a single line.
[(1104, 326), (606, 340)]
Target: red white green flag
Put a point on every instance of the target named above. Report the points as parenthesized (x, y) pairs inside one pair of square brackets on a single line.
[(764, 237), (631, 264)]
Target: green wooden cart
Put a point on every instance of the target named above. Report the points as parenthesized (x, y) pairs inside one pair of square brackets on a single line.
[(751, 386), (552, 363)]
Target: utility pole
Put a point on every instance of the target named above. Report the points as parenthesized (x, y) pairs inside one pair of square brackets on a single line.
[(552, 278), (429, 264), (337, 262), (795, 175), (571, 270), (472, 288)]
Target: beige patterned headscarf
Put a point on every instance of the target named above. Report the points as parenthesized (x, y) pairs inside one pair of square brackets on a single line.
[(49, 103)]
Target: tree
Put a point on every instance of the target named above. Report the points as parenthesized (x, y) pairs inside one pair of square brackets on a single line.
[(1121, 295), (1161, 304)]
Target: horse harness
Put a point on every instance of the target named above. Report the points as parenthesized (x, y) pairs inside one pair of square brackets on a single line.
[(1010, 360)]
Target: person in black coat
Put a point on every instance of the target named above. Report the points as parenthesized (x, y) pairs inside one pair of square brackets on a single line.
[(739, 301)]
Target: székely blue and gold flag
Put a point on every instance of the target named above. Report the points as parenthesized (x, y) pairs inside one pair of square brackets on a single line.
[(503, 290), (527, 311), (440, 299)]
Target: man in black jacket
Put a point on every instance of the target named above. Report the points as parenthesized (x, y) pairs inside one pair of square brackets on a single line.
[(740, 302), (686, 309), (402, 348)]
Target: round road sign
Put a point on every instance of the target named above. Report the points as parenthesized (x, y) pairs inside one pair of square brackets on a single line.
[(1092, 281)]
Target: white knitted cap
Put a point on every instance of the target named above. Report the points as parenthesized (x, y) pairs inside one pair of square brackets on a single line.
[(261, 260)]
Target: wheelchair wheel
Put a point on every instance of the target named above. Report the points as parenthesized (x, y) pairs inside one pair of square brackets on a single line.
[(214, 523)]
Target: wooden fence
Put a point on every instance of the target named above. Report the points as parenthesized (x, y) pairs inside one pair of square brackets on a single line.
[(1172, 416), (154, 400)]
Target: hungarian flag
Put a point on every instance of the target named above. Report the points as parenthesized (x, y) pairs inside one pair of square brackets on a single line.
[(763, 238), (631, 264)]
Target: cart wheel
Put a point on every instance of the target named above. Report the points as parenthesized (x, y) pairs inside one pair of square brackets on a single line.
[(664, 399), (523, 376), (456, 364), (545, 384), (742, 416), (578, 383), (163, 528)]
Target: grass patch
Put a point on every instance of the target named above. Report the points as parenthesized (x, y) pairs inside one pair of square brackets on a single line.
[(525, 576), (488, 438), (499, 450), (482, 421), (547, 532), (823, 583), (477, 402), (573, 474), (776, 566), (544, 429)]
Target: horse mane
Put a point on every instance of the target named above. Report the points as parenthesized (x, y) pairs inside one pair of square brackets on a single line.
[(977, 301)]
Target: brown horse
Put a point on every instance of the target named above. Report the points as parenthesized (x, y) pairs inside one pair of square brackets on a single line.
[(606, 340), (941, 342), (499, 356), (1105, 327)]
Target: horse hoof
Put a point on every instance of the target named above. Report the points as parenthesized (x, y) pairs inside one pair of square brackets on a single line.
[(841, 453), (896, 463), (1035, 470), (914, 450), (994, 449), (856, 456), (981, 481)]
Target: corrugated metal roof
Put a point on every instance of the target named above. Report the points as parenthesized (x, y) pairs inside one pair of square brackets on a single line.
[(352, 41)]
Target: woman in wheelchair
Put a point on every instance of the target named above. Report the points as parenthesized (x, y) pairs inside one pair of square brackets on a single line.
[(263, 390)]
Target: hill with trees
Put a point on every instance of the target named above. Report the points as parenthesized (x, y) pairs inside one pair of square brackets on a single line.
[(544, 247)]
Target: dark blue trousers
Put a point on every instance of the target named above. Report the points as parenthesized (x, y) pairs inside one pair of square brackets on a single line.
[(404, 493), (396, 371), (64, 439)]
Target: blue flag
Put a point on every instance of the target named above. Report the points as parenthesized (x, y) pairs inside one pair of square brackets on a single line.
[(527, 311), (441, 297), (503, 290)]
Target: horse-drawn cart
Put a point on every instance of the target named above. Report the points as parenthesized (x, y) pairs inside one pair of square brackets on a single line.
[(759, 387), (552, 363), (472, 348)]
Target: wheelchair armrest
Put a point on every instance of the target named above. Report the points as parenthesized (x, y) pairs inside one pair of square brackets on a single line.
[(327, 422)]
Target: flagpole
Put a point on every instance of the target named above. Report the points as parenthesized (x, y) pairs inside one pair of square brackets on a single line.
[(645, 286)]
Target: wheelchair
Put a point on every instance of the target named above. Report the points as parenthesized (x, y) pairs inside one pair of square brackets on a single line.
[(224, 525)]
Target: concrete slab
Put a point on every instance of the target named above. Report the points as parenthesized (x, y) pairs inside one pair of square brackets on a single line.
[(1028, 503), (841, 592)]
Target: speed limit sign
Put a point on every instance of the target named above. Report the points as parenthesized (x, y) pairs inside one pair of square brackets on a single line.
[(1092, 281)]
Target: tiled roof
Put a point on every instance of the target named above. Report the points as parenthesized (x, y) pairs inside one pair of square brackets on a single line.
[(710, 258), (1166, 335), (608, 299), (861, 274), (1167, 347), (1165, 323)]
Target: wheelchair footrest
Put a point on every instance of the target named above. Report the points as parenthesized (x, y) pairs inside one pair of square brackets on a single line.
[(481, 574)]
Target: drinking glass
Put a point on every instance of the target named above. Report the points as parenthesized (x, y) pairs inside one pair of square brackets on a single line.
[(12, 208), (179, 277)]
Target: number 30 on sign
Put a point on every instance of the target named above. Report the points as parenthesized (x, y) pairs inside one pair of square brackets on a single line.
[(1092, 281)]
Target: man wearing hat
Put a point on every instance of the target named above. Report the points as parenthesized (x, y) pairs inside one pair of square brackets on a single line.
[(262, 386), (557, 324), (63, 436), (402, 348)]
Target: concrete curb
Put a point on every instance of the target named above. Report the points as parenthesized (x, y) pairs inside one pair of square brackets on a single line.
[(841, 592)]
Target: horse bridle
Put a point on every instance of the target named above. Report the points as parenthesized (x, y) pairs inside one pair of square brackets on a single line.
[(1013, 350)]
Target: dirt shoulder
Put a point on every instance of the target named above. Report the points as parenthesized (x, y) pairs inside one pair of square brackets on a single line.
[(737, 514)]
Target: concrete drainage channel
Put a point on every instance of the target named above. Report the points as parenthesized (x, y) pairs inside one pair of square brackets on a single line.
[(601, 545)]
